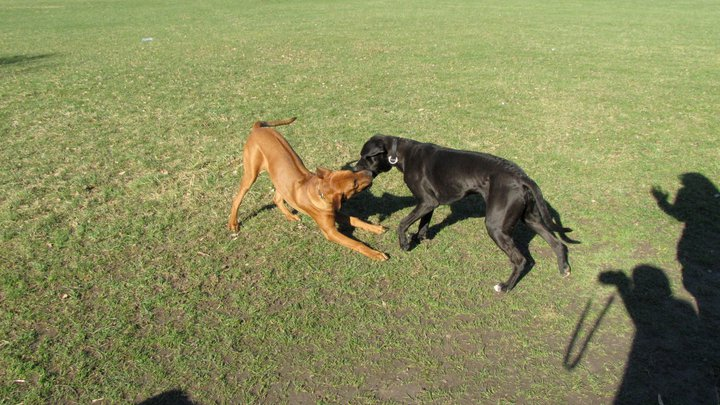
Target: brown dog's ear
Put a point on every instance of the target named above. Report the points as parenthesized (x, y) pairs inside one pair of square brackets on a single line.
[(327, 191), (336, 201), (322, 172)]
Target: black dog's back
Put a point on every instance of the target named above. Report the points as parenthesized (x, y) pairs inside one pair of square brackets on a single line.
[(454, 173)]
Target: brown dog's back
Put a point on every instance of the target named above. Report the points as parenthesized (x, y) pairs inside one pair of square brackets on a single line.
[(264, 145)]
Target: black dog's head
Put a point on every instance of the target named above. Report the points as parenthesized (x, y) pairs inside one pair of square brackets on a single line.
[(374, 155)]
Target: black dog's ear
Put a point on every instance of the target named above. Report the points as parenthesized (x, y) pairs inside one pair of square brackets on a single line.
[(373, 148)]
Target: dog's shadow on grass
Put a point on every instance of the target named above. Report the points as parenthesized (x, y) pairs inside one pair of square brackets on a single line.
[(366, 204), (473, 206), (248, 217), (359, 206)]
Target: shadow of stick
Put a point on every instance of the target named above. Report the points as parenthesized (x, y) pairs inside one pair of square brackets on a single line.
[(571, 364)]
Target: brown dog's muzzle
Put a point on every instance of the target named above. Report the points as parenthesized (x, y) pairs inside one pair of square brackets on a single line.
[(365, 178)]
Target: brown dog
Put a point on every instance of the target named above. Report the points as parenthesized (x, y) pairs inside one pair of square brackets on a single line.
[(318, 195)]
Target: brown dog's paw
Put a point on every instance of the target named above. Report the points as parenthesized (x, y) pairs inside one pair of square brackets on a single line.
[(377, 229), (379, 256), (292, 217), (233, 226)]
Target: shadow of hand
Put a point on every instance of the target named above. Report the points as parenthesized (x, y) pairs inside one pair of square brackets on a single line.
[(659, 194)]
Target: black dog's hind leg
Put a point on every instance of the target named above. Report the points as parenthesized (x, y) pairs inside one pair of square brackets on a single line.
[(420, 211), (500, 220), (534, 221)]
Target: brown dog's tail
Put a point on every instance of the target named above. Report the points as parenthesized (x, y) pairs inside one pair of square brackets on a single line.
[(545, 211), (260, 124)]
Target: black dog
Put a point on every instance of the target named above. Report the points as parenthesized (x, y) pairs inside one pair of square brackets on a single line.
[(437, 175)]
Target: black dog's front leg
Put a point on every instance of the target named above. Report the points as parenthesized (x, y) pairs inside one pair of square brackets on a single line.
[(424, 225), (420, 211)]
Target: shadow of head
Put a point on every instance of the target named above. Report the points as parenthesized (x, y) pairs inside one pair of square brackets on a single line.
[(172, 397), (647, 282), (699, 183), (697, 205), (650, 283), (20, 59)]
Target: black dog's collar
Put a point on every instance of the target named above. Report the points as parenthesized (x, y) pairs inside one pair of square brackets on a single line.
[(392, 158)]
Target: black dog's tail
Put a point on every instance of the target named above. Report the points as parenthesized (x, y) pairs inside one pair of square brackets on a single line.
[(545, 211), (259, 124)]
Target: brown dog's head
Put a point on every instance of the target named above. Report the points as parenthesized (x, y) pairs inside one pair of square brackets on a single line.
[(337, 186)]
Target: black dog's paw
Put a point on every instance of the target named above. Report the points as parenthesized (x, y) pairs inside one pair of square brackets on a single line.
[(405, 245), (501, 287), (421, 235), (418, 238)]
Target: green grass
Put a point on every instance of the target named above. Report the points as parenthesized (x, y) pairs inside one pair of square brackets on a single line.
[(119, 158)]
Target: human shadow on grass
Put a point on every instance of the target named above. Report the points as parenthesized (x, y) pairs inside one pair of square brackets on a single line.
[(20, 59), (576, 349), (697, 205), (172, 397), (675, 354), (667, 363)]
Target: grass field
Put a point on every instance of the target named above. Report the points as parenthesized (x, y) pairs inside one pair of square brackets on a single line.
[(121, 130)]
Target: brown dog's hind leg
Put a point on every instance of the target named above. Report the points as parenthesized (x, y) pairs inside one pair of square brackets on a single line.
[(251, 169), (280, 202)]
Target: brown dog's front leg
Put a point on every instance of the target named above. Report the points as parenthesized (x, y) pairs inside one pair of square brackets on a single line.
[(327, 226), (280, 202), (359, 223)]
